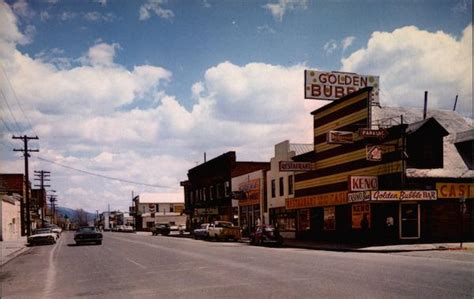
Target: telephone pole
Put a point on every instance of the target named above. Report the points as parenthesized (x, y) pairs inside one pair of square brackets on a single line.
[(52, 200), (26, 206), (42, 176)]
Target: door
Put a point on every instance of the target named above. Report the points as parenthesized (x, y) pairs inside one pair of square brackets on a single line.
[(409, 221)]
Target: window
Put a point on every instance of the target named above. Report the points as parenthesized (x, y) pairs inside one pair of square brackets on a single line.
[(211, 192), (281, 186), (204, 192), (273, 189), (157, 208), (290, 184), (227, 188), (219, 191), (171, 209)]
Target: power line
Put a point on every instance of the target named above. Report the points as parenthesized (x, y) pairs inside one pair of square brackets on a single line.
[(17, 101), (104, 176), (11, 112)]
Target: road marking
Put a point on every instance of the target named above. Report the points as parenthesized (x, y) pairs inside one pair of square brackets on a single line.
[(130, 260), (51, 273)]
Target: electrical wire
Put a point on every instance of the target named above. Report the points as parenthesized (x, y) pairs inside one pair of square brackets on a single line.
[(11, 112), (104, 176), (17, 101)]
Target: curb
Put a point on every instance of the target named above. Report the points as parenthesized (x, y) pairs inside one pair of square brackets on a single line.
[(14, 254)]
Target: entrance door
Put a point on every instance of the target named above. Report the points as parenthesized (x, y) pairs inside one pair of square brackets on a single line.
[(409, 221)]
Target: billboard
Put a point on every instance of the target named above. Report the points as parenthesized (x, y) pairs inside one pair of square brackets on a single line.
[(321, 85)]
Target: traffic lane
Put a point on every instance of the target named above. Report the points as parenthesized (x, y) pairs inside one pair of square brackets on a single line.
[(367, 273), (26, 275)]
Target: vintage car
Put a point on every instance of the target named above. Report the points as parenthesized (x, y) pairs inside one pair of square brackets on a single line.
[(87, 234), (161, 229), (42, 236), (202, 232), (224, 230), (266, 234), (128, 229)]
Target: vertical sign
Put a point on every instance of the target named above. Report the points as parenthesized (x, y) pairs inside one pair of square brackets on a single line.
[(359, 211)]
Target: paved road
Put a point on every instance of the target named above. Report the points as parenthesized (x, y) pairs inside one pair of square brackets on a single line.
[(132, 266)]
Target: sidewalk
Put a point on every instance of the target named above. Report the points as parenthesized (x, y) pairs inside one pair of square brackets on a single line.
[(379, 249), (11, 249)]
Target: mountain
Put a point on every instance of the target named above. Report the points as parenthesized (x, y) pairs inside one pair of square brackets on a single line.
[(71, 213)]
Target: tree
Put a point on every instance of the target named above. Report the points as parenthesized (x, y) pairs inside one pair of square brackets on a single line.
[(81, 218)]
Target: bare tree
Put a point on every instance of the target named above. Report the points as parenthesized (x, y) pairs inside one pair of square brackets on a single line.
[(80, 217)]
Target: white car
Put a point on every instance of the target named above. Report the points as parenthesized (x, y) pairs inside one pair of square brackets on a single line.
[(43, 236)]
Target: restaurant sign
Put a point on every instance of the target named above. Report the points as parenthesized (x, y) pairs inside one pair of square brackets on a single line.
[(374, 153), (340, 137), (455, 190), (403, 195), (334, 85), (295, 166), (320, 200)]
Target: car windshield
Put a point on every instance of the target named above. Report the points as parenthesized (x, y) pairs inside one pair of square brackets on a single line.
[(204, 225), (224, 224), (269, 229), (41, 231)]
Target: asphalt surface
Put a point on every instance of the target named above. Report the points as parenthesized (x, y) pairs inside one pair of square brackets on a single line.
[(132, 266)]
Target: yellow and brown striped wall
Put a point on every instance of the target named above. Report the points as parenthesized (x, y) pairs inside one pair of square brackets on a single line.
[(334, 163)]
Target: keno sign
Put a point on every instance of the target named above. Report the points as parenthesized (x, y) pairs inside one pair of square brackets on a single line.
[(363, 183), (334, 85)]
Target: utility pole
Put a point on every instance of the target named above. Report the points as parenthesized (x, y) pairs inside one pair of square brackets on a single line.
[(26, 154), (52, 200), (42, 176)]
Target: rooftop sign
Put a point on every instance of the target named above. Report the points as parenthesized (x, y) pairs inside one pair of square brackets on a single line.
[(295, 166), (334, 85)]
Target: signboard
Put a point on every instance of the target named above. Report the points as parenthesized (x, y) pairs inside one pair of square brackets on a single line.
[(329, 218), (455, 190), (358, 212), (151, 207), (369, 133), (374, 153), (334, 85), (206, 211), (320, 200), (363, 183), (295, 166), (340, 137), (358, 196), (251, 189), (404, 195)]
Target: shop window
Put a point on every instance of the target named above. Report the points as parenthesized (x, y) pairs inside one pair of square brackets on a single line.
[(290, 184), (304, 221), (281, 186), (171, 209), (273, 189)]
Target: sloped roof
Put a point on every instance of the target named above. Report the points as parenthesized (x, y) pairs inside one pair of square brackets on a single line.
[(161, 198), (301, 148), (413, 127), (454, 166)]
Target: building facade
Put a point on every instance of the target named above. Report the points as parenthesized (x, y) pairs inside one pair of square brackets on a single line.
[(208, 190), (378, 175), (10, 220), (280, 186), (151, 209)]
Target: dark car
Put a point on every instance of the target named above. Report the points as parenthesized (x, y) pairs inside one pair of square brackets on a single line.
[(202, 232), (266, 234), (87, 234), (161, 229)]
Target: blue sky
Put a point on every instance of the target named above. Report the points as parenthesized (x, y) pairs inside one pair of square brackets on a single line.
[(141, 89)]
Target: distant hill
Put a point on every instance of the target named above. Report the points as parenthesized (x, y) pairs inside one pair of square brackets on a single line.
[(71, 213)]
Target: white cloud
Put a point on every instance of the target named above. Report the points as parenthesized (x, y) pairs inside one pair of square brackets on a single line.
[(154, 6), (330, 46), (102, 54), (347, 42), (22, 9), (95, 16), (265, 29), (410, 61), (279, 9)]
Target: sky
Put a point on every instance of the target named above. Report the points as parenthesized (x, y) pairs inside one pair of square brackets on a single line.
[(140, 90)]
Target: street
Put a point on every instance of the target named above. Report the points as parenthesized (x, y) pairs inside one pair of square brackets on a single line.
[(134, 265)]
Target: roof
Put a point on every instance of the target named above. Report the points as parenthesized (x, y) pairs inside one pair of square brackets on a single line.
[(464, 136), (161, 198), (451, 121), (414, 127), (301, 148)]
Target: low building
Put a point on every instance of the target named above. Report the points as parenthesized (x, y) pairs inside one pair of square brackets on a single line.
[(151, 209), (10, 220), (280, 185)]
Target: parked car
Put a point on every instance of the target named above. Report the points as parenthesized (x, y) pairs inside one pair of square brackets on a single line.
[(42, 236), (87, 234), (128, 229), (266, 234), (56, 229), (161, 229), (224, 230), (202, 232)]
